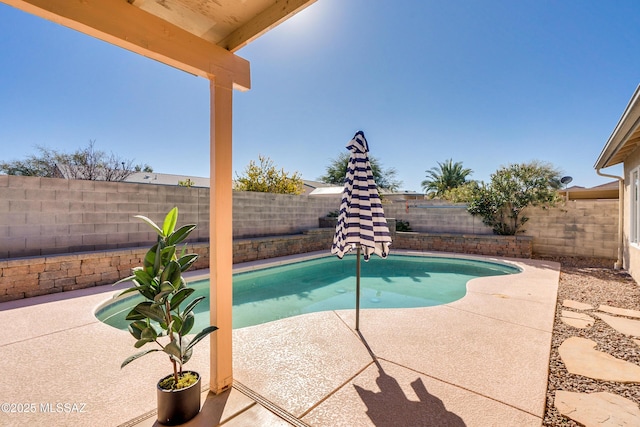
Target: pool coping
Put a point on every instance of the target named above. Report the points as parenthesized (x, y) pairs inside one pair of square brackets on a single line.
[(328, 375)]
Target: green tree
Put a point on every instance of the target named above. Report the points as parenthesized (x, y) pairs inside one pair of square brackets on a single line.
[(143, 168), (512, 189), (444, 177), (43, 165), (463, 193), (337, 170), (85, 163), (266, 178)]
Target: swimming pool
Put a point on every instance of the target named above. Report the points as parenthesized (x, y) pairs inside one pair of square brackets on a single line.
[(328, 283)]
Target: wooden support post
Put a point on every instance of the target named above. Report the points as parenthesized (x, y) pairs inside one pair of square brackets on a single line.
[(221, 240)]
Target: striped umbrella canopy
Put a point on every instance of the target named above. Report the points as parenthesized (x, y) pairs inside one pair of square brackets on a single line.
[(361, 223)]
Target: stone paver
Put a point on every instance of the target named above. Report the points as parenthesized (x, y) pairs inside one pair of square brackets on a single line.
[(581, 358), (577, 320), (597, 409), (619, 311), (577, 305), (621, 324)]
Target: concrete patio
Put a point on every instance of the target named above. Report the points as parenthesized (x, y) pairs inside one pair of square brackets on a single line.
[(479, 361)]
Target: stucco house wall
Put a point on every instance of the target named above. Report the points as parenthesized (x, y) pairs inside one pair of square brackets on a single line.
[(631, 255), (622, 148)]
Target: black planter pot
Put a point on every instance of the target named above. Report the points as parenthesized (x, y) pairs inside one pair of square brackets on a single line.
[(178, 406)]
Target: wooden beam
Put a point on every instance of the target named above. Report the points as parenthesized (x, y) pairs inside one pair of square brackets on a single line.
[(278, 12), (122, 24)]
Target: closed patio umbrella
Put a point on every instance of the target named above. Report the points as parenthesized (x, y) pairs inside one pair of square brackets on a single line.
[(361, 223)]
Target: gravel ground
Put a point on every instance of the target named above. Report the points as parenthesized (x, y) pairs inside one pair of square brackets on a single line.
[(595, 282)]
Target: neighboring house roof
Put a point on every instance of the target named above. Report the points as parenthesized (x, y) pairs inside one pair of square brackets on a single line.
[(613, 185), (326, 191), (73, 172), (166, 179), (625, 137), (169, 179), (402, 195), (323, 189), (608, 190), (93, 173), (313, 188)]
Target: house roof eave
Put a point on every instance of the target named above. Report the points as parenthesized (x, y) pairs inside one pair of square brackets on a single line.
[(625, 136)]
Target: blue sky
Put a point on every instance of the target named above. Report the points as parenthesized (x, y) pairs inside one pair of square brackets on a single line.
[(486, 83)]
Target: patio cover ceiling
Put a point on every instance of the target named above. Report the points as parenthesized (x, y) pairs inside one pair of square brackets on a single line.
[(231, 24), (197, 36)]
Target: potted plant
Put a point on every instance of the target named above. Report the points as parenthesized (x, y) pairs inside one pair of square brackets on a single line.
[(161, 320)]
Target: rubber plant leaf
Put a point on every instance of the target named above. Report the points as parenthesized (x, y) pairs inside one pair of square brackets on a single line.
[(151, 223), (157, 262), (172, 349), (151, 260), (170, 222), (186, 355), (142, 341), (180, 296), (126, 279), (134, 315), (137, 356), (187, 324), (200, 335), (180, 234), (186, 261), (136, 328), (129, 290), (176, 324), (168, 254), (166, 289), (143, 277), (171, 274), (191, 305), (152, 311)]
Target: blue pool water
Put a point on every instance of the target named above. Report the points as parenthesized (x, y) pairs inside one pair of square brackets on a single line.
[(268, 294)]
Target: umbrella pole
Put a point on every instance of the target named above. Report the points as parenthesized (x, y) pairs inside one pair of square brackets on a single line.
[(358, 290)]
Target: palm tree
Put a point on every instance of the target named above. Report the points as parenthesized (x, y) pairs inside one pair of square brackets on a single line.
[(446, 176)]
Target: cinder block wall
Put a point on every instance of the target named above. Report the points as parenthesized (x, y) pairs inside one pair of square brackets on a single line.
[(266, 214), (587, 228), (44, 216), (436, 217), (252, 249), (477, 244), (33, 276)]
